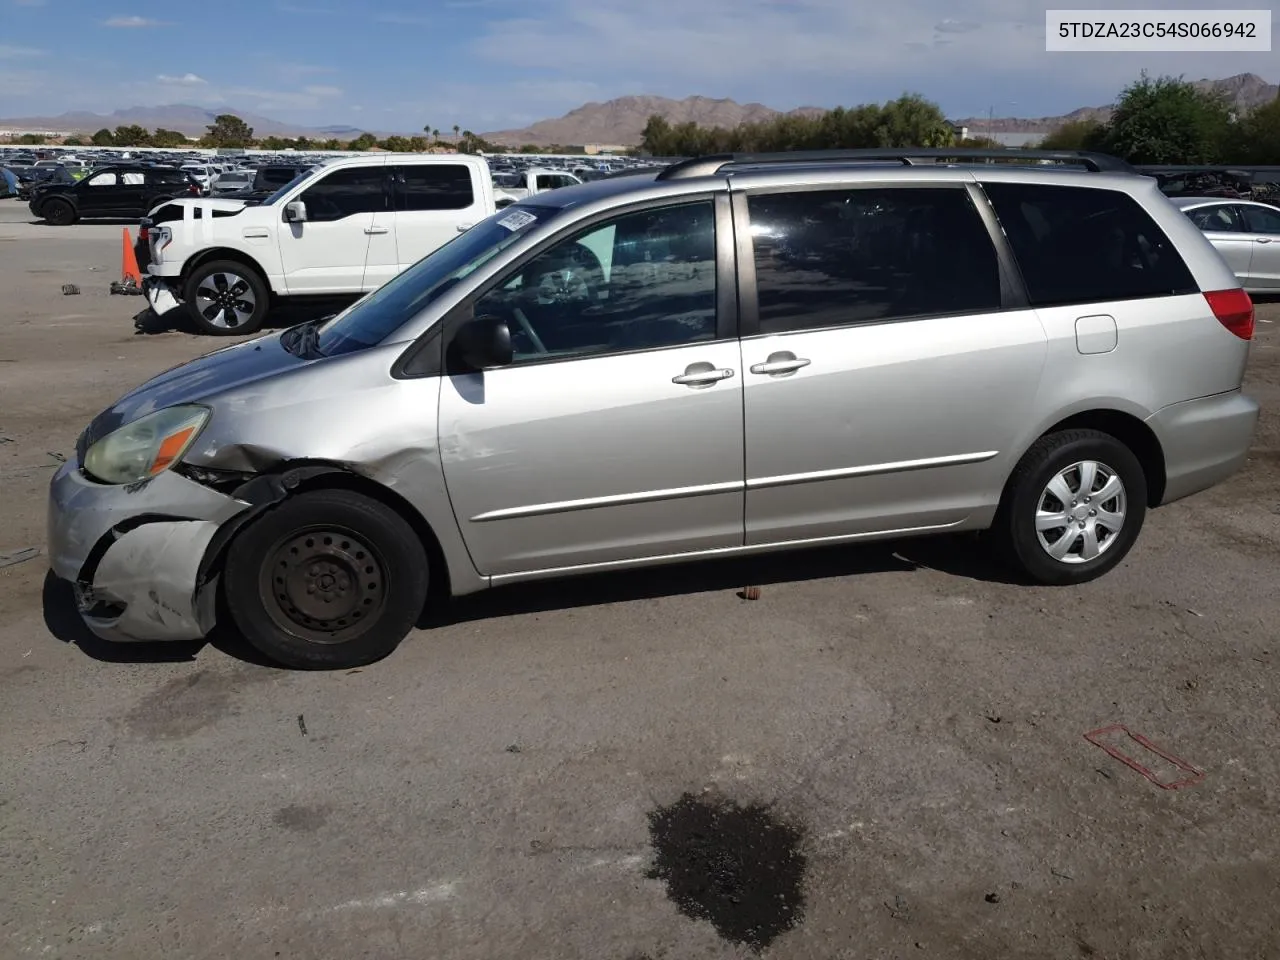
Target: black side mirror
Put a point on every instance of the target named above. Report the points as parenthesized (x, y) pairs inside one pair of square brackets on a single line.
[(484, 342)]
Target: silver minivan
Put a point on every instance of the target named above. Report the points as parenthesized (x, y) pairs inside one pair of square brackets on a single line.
[(729, 356)]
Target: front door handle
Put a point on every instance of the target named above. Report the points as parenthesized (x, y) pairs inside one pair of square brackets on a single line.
[(464, 227), (782, 362), (375, 230), (1262, 239), (702, 375)]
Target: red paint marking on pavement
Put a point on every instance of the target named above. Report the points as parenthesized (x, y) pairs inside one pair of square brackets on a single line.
[(1194, 776)]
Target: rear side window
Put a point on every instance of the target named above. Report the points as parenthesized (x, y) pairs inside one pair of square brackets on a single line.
[(160, 175), (434, 186), (277, 176), (1084, 245), (835, 257), (1219, 219), (345, 193), (1261, 220)]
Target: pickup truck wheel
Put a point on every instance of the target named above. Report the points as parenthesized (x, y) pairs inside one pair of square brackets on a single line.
[(328, 579), (226, 298), (58, 213)]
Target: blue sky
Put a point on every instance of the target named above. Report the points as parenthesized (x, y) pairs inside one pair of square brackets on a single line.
[(492, 64)]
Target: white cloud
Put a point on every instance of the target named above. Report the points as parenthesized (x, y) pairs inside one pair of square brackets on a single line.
[(186, 80), (10, 52), (826, 52), (133, 22)]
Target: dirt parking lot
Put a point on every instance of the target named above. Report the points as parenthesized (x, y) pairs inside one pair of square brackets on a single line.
[(883, 756)]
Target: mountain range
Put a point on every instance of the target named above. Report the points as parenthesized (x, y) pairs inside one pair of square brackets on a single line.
[(620, 121)]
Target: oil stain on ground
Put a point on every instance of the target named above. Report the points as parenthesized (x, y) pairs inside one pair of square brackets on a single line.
[(738, 868), (187, 704)]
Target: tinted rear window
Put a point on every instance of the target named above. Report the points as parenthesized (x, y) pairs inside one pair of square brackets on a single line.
[(1085, 245), (435, 186), (829, 258)]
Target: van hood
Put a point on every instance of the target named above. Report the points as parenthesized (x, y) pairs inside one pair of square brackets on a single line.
[(194, 381)]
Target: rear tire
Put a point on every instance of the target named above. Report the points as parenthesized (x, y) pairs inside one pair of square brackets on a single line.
[(58, 213), (226, 298), (1073, 508), (327, 580)]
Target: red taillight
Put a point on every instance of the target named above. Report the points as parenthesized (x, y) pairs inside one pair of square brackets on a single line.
[(144, 233), (1234, 310)]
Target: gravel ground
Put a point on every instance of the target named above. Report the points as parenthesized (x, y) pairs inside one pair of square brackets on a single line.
[(883, 756)]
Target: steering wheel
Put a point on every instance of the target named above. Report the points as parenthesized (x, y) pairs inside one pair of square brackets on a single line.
[(528, 330)]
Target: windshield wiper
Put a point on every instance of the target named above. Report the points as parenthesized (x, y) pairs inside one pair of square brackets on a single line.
[(304, 339)]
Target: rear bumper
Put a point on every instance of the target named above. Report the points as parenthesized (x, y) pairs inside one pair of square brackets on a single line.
[(1204, 440), (161, 293)]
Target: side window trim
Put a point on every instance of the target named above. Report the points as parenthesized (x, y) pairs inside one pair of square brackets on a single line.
[(726, 328), (1012, 291)]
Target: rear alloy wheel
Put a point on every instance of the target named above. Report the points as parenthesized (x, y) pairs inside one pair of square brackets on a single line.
[(226, 298), (58, 213), (1073, 508), (326, 580)]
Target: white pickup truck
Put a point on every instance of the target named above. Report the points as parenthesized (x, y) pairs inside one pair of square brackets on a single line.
[(343, 228), (509, 188)]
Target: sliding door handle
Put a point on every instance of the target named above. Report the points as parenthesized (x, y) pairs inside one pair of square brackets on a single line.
[(784, 361)]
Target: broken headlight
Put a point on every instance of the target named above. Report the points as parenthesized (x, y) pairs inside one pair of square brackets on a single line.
[(145, 447)]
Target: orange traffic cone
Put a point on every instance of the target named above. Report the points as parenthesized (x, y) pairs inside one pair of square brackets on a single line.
[(129, 268)]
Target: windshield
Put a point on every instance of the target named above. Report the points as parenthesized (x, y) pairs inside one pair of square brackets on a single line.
[(381, 313), (280, 192)]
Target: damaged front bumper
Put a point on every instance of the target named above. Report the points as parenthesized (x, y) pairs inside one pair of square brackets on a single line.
[(139, 556)]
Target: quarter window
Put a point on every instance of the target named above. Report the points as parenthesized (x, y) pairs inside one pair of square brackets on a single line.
[(830, 258), (1086, 245), (642, 281), (108, 179), (345, 193), (434, 186)]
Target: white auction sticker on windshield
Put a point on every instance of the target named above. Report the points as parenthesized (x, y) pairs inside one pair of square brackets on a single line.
[(517, 219)]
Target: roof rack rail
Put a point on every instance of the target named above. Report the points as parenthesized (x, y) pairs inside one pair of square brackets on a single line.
[(909, 156)]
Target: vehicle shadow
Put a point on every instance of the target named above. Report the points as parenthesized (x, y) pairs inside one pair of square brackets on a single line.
[(93, 221), (961, 556), (284, 315)]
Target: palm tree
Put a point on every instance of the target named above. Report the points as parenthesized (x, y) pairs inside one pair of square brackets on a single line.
[(436, 133), (456, 128)]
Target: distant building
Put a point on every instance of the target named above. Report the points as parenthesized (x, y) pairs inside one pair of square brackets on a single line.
[(594, 149)]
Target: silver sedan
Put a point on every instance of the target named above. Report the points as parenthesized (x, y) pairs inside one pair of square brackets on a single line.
[(1245, 232)]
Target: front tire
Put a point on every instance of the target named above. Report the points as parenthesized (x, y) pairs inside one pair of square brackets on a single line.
[(1073, 508), (58, 213), (327, 580), (226, 298)]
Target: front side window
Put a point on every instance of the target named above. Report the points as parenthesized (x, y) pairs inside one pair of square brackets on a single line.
[(1261, 220), (1221, 218), (434, 186), (641, 281), (834, 257), (1086, 245), (346, 193)]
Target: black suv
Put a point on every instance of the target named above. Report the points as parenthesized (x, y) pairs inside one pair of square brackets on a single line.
[(266, 181), (117, 190)]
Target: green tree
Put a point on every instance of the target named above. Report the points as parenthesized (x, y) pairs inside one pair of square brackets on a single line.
[(456, 128), (168, 138), (1257, 138), (103, 138), (396, 144), (31, 139), (303, 143), (333, 143), (228, 130), (418, 144), (74, 142), (530, 148), (131, 135), (1077, 135), (435, 134), (1167, 120), (366, 141)]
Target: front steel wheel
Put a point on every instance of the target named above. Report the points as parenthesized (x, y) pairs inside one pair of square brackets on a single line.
[(328, 579)]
